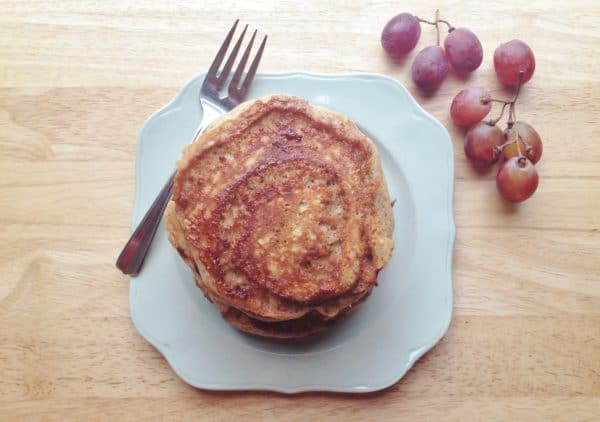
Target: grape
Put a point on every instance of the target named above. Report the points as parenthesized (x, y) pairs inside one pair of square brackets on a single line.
[(481, 144), (530, 143), (429, 68), (517, 179), (510, 59), (400, 35), (470, 106), (463, 50)]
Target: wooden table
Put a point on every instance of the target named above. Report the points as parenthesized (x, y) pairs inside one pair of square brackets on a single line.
[(77, 80)]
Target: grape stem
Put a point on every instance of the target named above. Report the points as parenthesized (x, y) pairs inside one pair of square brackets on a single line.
[(517, 139), (445, 22), (512, 115), (507, 143), (494, 100), (450, 27), (437, 26), (500, 148), (493, 122)]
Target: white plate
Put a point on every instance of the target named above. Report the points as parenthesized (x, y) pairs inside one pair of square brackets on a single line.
[(405, 316)]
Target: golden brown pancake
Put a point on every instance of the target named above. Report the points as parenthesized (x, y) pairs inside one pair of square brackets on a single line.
[(281, 210)]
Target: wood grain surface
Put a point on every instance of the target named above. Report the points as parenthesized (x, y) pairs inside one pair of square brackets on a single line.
[(77, 80)]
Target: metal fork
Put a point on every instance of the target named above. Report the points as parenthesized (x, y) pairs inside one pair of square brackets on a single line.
[(132, 256)]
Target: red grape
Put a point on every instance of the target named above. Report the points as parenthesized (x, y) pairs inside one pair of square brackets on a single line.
[(517, 179), (510, 59), (481, 144), (463, 50), (470, 106), (530, 142), (400, 35), (429, 68)]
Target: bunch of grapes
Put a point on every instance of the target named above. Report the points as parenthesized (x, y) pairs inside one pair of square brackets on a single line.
[(462, 49), (519, 145)]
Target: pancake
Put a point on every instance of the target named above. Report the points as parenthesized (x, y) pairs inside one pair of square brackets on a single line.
[(282, 212)]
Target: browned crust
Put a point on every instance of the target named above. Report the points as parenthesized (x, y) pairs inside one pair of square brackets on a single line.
[(308, 324), (235, 213)]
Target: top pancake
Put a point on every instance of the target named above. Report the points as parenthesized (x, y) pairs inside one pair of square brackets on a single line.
[(283, 209)]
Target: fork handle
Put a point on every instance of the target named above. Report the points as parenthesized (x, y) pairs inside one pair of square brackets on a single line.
[(132, 256)]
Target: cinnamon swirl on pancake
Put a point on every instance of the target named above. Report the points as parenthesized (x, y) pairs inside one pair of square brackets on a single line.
[(282, 212)]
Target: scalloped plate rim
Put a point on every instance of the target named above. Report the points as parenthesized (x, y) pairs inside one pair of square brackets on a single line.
[(176, 103)]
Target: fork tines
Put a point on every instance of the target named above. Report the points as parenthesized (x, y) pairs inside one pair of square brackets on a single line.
[(217, 80)]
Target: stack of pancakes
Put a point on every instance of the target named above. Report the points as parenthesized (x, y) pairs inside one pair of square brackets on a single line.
[(282, 212)]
